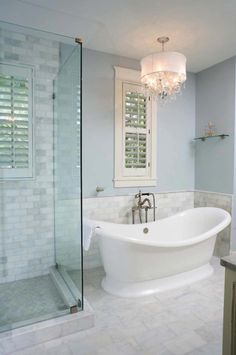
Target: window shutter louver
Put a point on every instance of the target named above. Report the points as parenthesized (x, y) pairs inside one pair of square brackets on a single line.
[(135, 109), (135, 150), (135, 130), (15, 118)]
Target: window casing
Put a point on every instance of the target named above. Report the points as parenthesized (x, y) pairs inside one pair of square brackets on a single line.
[(135, 132), (16, 122)]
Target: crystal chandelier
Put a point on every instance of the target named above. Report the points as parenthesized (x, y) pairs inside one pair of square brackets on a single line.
[(163, 74)]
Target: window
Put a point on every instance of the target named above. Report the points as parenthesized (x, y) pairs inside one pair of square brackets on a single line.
[(16, 118), (135, 132)]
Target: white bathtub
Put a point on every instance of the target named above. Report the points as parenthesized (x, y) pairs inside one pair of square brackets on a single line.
[(174, 252)]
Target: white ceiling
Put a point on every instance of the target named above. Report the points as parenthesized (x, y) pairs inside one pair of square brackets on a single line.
[(203, 30)]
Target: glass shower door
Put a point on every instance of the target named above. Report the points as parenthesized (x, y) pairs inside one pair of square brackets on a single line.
[(67, 178)]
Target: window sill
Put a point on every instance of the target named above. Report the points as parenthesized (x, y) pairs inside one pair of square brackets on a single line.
[(134, 182)]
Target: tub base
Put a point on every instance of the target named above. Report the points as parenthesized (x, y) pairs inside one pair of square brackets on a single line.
[(145, 288)]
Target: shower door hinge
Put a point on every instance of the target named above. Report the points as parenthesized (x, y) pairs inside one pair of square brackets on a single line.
[(53, 96), (79, 303), (73, 309), (149, 164)]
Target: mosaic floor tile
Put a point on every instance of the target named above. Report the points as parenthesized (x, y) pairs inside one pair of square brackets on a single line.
[(26, 299)]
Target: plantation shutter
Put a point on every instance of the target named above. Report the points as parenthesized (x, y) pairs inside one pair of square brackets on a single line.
[(15, 122), (136, 131)]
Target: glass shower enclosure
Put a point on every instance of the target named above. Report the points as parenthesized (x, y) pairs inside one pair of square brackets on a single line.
[(67, 172), (41, 255)]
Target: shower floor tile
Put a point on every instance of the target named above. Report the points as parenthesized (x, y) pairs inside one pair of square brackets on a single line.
[(28, 299)]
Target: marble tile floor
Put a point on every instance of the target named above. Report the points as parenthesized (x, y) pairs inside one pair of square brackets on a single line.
[(28, 299), (179, 322)]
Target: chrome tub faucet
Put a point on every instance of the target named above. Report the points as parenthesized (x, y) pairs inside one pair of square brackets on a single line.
[(144, 204)]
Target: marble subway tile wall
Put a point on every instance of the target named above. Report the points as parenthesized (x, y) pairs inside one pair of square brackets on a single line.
[(212, 199), (111, 209), (68, 233), (173, 202), (26, 207), (118, 209)]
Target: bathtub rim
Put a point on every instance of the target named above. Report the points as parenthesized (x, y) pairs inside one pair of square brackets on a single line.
[(103, 232)]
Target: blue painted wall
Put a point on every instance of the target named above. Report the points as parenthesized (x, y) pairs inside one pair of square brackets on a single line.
[(215, 101), (175, 130)]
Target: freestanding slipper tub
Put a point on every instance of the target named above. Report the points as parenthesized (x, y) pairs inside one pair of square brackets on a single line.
[(143, 259)]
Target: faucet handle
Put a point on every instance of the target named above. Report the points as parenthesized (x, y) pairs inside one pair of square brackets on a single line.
[(99, 189)]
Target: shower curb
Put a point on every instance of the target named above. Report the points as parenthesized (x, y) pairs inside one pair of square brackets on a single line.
[(62, 287), (35, 334)]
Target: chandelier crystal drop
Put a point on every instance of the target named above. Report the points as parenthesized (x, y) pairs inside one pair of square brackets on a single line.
[(163, 74)]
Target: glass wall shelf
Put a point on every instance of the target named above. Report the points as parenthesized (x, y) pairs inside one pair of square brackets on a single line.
[(203, 138)]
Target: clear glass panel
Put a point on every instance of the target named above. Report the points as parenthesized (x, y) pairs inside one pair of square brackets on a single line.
[(67, 146), (33, 283)]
